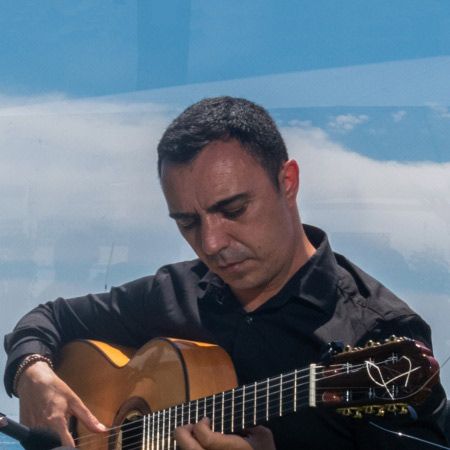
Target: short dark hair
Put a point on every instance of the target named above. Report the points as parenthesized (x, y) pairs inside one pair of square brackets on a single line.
[(224, 118)]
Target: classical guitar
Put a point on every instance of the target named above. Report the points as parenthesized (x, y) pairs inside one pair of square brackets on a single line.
[(144, 395)]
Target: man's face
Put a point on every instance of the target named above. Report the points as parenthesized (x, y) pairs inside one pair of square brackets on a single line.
[(230, 212)]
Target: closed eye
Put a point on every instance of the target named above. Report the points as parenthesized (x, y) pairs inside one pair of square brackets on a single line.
[(186, 223), (235, 212)]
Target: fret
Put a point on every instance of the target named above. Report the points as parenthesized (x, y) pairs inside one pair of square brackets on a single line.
[(149, 432), (175, 418), (153, 431), (163, 437), (267, 398), (196, 411), (280, 412), (182, 415), (189, 412), (248, 403), (243, 406), (158, 434), (232, 410), (222, 413), (204, 407), (295, 390), (312, 385), (144, 433), (213, 424), (169, 430), (255, 399)]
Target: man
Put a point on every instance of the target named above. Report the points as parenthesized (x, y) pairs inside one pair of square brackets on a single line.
[(265, 287)]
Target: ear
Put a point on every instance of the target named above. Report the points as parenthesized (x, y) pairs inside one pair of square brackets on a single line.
[(290, 179)]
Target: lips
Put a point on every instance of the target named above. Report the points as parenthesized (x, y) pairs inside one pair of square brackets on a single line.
[(230, 265)]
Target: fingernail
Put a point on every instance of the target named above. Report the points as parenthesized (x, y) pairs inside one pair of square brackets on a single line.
[(102, 427)]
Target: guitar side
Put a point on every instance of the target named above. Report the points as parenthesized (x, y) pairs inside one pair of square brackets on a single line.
[(118, 384)]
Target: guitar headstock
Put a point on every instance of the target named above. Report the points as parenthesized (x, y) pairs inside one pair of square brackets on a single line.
[(379, 378)]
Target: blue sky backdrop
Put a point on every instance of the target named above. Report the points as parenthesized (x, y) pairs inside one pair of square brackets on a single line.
[(360, 90)]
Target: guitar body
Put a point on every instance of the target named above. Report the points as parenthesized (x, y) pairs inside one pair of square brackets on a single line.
[(120, 385)]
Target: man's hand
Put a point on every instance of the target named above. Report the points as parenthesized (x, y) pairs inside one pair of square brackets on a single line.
[(46, 401), (200, 437)]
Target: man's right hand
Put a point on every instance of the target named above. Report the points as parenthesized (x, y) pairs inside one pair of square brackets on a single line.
[(46, 401)]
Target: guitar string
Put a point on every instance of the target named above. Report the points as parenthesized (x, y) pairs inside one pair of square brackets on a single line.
[(127, 427), (273, 406), (238, 404), (273, 403), (273, 385), (124, 426), (150, 440), (399, 434), (132, 426)]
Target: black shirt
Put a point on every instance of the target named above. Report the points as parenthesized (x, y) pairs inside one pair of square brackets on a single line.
[(328, 299)]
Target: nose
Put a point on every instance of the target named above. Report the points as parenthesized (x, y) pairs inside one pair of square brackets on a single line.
[(214, 236)]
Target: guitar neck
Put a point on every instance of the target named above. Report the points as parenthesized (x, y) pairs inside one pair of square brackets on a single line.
[(236, 409)]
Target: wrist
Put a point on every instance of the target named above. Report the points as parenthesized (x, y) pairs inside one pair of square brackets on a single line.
[(27, 362)]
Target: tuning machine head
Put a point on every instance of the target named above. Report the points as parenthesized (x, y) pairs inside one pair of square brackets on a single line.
[(357, 412)]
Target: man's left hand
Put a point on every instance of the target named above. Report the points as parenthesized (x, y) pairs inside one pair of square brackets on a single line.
[(201, 437)]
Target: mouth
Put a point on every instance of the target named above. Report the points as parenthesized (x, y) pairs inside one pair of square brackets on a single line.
[(231, 266)]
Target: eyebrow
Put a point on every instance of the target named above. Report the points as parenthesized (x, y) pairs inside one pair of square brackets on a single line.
[(216, 207)]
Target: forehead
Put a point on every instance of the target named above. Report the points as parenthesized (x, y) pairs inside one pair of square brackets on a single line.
[(220, 170)]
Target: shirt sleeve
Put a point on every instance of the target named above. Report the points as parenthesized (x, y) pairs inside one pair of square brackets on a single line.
[(119, 316)]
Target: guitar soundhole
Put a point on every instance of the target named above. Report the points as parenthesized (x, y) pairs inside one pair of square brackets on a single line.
[(130, 434), (127, 432)]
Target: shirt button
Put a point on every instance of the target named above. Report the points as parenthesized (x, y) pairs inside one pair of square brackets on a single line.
[(249, 319)]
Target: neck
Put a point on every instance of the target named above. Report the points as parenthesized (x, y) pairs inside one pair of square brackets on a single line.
[(253, 299)]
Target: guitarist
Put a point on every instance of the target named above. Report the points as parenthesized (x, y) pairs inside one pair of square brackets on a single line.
[(265, 287)]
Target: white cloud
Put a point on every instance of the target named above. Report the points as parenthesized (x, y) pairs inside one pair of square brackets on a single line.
[(75, 160), (440, 110), (344, 123), (346, 192), (82, 161), (398, 116)]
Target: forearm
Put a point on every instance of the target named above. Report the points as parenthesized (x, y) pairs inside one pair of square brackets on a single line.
[(116, 316)]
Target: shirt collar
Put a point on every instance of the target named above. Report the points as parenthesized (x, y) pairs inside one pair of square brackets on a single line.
[(315, 282)]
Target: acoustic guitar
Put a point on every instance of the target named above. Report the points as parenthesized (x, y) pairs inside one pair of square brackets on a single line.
[(143, 395)]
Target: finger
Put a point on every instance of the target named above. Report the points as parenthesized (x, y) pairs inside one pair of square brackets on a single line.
[(66, 438), (218, 441), (260, 438), (83, 413), (185, 440), (203, 433), (60, 426)]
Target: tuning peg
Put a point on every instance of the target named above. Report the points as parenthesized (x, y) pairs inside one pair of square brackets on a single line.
[(345, 411), (381, 412), (392, 338), (369, 410), (403, 410), (358, 414), (348, 348), (391, 408)]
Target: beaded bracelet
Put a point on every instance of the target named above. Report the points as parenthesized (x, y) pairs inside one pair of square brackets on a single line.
[(24, 364)]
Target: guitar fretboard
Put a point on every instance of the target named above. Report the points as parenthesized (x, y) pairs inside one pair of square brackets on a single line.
[(234, 410)]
